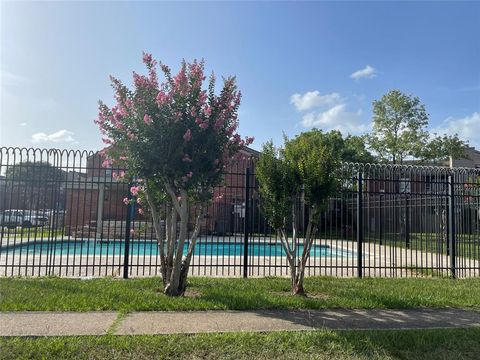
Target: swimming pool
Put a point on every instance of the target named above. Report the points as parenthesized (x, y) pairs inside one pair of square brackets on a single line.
[(149, 248)]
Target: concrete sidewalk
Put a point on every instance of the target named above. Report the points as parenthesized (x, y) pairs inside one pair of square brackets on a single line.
[(137, 323)]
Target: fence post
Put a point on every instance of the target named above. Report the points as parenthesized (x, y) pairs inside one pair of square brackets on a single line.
[(359, 224), (126, 253), (407, 221), (246, 228), (451, 225)]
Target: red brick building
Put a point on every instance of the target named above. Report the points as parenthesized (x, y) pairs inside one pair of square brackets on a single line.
[(95, 205)]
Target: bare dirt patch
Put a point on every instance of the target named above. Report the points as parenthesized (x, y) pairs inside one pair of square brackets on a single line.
[(317, 296)]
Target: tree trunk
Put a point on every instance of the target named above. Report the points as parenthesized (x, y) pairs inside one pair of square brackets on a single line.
[(179, 288), (298, 288)]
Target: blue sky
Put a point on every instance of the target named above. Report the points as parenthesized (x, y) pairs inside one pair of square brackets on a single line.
[(298, 64)]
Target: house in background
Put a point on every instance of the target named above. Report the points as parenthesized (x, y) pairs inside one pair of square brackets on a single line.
[(472, 159), (417, 198)]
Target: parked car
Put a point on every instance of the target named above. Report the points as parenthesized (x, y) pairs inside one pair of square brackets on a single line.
[(24, 218)]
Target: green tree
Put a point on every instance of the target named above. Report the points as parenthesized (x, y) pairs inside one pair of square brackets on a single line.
[(304, 169), (399, 131), (175, 139), (355, 150), (35, 183), (352, 148)]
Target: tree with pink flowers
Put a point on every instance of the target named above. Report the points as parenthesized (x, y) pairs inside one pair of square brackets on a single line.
[(175, 138)]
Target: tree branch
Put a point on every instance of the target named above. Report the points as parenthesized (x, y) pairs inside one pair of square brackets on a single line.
[(159, 233), (172, 194)]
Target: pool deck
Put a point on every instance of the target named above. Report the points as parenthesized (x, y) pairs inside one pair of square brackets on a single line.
[(378, 261)]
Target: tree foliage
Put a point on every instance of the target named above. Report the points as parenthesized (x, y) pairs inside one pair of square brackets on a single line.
[(399, 131), (355, 150), (352, 148), (303, 169), (36, 183), (175, 138)]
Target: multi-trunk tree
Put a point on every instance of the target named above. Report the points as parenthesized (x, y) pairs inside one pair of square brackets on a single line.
[(302, 172), (175, 138)]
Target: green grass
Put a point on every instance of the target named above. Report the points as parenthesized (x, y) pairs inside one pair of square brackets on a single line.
[(32, 232), (467, 245), (56, 294), (405, 344)]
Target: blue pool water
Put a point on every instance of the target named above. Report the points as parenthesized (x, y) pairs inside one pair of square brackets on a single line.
[(149, 248)]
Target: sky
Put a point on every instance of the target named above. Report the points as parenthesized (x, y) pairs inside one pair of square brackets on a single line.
[(298, 64)]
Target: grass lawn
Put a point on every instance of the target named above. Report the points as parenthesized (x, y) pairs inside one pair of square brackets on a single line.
[(322, 344), (56, 294), (32, 232)]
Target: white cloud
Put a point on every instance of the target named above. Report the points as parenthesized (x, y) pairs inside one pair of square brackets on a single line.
[(57, 137), (337, 118), (23, 124), (313, 99), (8, 78), (368, 72), (467, 128)]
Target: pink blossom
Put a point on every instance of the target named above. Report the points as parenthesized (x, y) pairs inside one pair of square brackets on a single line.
[(147, 119), (140, 81), (204, 125), (161, 98), (219, 122), (126, 201), (186, 158), (165, 68), (122, 158), (140, 211), (106, 163), (249, 140), (190, 174), (231, 129), (119, 176), (107, 141), (139, 200), (188, 135), (236, 139), (147, 58), (202, 97), (207, 110), (131, 135), (181, 82), (123, 111), (135, 189)]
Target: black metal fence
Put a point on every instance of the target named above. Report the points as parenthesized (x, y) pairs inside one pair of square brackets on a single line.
[(62, 213)]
